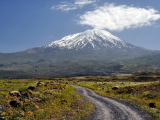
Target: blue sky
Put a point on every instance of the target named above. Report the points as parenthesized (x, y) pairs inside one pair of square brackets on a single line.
[(26, 24)]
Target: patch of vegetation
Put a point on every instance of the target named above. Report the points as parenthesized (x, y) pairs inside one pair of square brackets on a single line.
[(41, 99)]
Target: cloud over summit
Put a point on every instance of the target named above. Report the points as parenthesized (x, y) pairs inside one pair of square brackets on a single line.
[(117, 18), (66, 6)]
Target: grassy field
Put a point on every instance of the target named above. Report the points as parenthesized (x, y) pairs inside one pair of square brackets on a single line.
[(52, 99), (56, 99)]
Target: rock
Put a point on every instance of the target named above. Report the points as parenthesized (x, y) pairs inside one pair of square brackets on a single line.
[(115, 87), (25, 95), (30, 92), (39, 83), (3, 118), (1, 108), (31, 87), (45, 93), (14, 103), (122, 83), (15, 93), (63, 101), (152, 105), (61, 88), (52, 82)]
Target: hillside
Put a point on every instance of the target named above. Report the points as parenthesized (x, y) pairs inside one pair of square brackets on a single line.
[(93, 52)]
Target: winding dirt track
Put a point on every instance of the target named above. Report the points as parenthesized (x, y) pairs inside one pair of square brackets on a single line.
[(110, 108)]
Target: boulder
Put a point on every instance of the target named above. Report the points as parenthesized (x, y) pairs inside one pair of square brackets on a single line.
[(14, 103), (31, 88), (115, 87), (15, 93), (1, 108), (61, 88), (39, 83), (24, 94), (152, 105), (3, 118), (52, 82)]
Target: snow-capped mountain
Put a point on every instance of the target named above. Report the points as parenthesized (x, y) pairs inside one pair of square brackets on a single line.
[(89, 45), (96, 39), (93, 52)]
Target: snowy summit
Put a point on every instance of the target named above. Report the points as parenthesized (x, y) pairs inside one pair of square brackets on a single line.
[(96, 39)]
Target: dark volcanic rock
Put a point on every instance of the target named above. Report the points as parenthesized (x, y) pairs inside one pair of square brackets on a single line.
[(14, 103), (152, 105), (32, 88)]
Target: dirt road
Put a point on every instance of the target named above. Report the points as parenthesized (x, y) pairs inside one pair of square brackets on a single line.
[(110, 108)]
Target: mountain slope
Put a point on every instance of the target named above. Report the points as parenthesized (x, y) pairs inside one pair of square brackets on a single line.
[(92, 45), (89, 45), (93, 52)]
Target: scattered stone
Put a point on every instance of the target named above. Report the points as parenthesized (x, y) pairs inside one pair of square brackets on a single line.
[(45, 93), (3, 118), (63, 101), (31, 88), (152, 105), (61, 88), (1, 108), (39, 83), (30, 91), (15, 93), (115, 87), (14, 103), (24, 94), (47, 82), (52, 82), (122, 83)]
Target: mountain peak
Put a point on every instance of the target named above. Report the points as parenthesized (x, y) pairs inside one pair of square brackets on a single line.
[(95, 39)]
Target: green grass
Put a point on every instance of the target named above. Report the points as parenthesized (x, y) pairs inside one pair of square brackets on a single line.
[(55, 101)]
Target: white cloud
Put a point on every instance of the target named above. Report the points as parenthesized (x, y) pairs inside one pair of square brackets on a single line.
[(84, 2), (120, 17), (66, 6)]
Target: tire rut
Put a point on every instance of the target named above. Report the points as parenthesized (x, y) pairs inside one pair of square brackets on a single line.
[(110, 108)]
